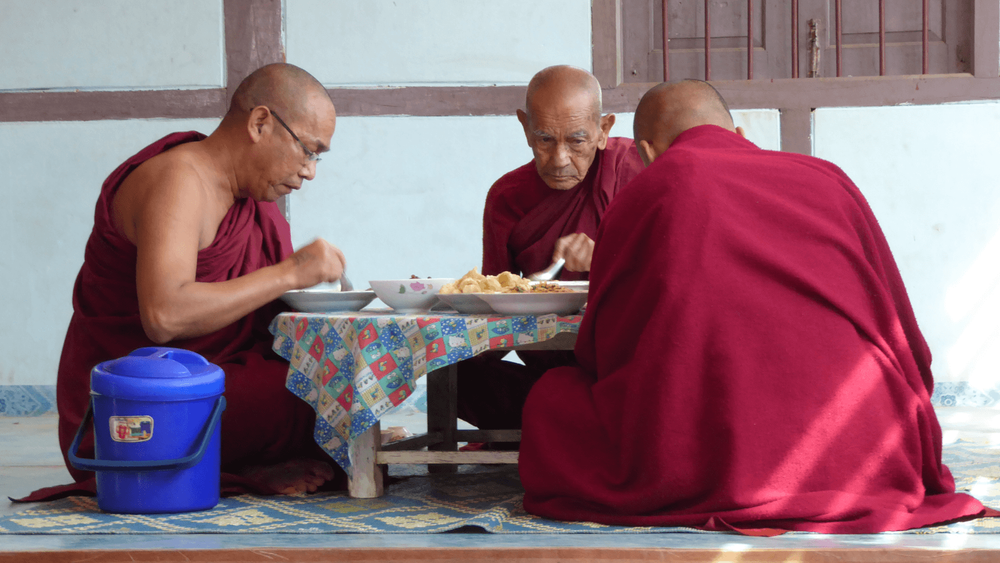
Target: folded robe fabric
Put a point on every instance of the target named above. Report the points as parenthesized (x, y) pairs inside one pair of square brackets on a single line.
[(263, 422), (749, 359), (523, 217)]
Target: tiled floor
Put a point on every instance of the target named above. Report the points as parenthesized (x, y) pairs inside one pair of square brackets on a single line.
[(29, 459)]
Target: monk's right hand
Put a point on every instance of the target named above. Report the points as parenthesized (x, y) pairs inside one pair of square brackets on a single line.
[(317, 262), (577, 249)]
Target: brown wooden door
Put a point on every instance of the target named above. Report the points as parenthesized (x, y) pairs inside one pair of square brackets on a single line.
[(950, 38)]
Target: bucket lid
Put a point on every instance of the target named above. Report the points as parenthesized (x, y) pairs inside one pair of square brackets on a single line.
[(158, 374)]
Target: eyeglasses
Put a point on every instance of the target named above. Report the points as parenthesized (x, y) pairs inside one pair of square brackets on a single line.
[(310, 156)]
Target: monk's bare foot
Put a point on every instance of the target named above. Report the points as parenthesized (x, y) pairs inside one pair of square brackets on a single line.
[(291, 477)]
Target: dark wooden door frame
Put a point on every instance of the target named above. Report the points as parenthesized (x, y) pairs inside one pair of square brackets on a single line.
[(797, 98)]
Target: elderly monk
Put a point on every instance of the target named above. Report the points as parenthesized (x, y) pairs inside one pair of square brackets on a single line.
[(749, 357), (548, 209), (189, 250)]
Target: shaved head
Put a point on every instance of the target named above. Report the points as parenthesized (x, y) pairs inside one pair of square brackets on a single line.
[(563, 84), (563, 124), (279, 121), (669, 109), (281, 87)]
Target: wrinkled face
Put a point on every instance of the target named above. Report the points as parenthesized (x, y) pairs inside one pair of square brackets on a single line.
[(282, 164), (564, 135)]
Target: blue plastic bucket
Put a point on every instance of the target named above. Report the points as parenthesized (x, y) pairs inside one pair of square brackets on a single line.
[(157, 442)]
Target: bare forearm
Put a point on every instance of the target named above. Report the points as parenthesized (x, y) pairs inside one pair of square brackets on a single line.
[(197, 308), (175, 306)]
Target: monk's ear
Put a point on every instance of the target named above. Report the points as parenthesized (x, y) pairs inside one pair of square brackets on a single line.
[(257, 123), (523, 118), (607, 122), (645, 152)]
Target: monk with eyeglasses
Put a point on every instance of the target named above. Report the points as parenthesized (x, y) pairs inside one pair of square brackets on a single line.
[(189, 250)]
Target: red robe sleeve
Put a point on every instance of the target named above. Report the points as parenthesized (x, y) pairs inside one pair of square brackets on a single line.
[(499, 219)]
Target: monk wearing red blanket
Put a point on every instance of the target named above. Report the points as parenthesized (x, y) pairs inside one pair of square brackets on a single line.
[(749, 357), (189, 250), (546, 210)]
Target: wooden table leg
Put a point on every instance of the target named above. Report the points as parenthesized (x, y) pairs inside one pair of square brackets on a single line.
[(442, 412), (365, 480)]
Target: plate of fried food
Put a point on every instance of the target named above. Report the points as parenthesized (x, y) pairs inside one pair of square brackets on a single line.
[(510, 294)]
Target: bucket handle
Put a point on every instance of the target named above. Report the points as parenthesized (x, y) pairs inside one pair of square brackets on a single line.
[(146, 464)]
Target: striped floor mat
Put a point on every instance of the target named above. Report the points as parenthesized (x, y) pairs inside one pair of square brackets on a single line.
[(479, 498)]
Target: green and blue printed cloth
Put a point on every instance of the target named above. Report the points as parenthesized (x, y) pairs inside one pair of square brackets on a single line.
[(354, 367)]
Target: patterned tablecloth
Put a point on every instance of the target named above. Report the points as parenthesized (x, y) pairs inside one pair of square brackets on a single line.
[(353, 367)]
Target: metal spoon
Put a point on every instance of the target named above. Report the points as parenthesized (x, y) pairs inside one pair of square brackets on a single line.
[(345, 283), (548, 273)]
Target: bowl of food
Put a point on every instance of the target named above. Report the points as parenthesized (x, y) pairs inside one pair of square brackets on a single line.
[(414, 295), (509, 293)]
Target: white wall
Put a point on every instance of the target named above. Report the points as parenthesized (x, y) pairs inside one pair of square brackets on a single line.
[(437, 42), (52, 174), (111, 44), (930, 177), (762, 126), (404, 196)]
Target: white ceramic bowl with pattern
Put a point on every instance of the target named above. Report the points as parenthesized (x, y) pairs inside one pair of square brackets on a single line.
[(409, 296)]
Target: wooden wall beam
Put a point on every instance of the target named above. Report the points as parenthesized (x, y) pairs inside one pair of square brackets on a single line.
[(986, 38), (91, 106), (796, 130), (253, 38), (832, 92)]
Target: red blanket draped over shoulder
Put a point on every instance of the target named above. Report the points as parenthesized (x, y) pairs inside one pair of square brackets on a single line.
[(749, 359), (263, 422), (523, 217)]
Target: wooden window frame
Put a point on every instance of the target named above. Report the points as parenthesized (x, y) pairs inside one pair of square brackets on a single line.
[(796, 98), (252, 39)]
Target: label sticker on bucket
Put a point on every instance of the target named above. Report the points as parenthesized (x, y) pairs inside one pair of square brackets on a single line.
[(131, 428)]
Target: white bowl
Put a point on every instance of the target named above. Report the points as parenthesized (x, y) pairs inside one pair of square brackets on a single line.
[(324, 300), (535, 303), (467, 303), (409, 296)]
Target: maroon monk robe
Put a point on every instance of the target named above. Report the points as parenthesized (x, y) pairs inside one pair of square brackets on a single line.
[(522, 221), (524, 218), (263, 422), (749, 358)]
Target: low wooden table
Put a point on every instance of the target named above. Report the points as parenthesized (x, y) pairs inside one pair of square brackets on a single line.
[(443, 435), (354, 367)]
